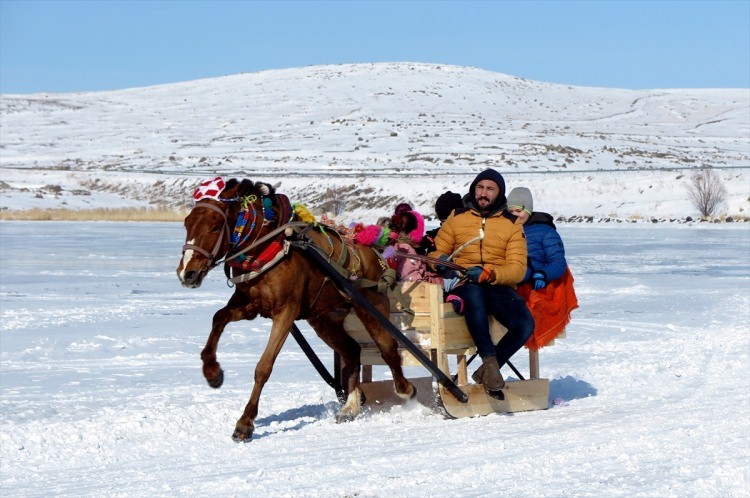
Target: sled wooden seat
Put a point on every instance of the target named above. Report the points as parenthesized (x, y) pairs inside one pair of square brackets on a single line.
[(418, 310)]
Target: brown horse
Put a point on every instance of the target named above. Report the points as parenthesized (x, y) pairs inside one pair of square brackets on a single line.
[(276, 279)]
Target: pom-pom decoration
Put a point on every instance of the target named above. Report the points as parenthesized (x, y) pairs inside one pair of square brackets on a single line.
[(368, 235), (210, 189), (268, 213), (384, 237), (389, 252)]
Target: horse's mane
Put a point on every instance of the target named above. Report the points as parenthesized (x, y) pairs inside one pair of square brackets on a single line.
[(247, 187)]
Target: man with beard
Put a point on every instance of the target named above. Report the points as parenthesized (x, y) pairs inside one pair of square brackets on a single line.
[(492, 247)]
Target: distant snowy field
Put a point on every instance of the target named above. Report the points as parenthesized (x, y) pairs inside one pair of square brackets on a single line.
[(102, 394), (379, 134)]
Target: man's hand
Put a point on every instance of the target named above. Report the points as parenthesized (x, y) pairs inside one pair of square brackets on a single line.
[(441, 268), (480, 274)]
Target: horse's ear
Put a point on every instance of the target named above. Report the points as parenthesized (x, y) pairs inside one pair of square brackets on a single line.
[(228, 191), (245, 188)]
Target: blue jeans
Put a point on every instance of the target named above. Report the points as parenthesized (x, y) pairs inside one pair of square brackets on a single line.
[(507, 307)]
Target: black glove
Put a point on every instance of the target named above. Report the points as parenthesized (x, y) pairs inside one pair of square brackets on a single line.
[(441, 268)]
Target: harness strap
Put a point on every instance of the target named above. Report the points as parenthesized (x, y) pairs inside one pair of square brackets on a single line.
[(273, 233), (281, 248), (285, 208), (345, 248), (387, 278)]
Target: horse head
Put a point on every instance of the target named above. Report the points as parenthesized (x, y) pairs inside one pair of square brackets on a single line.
[(211, 222)]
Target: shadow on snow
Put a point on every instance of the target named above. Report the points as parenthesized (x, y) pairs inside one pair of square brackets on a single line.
[(569, 388)]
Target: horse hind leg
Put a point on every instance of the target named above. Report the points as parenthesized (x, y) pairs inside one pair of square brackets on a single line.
[(351, 407), (388, 347), (331, 331)]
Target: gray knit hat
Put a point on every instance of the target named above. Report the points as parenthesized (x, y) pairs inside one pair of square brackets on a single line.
[(520, 198)]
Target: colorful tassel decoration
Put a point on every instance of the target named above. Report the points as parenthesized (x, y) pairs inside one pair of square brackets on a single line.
[(304, 214)]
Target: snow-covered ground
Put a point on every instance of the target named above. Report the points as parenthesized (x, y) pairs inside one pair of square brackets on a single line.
[(377, 134), (102, 394)]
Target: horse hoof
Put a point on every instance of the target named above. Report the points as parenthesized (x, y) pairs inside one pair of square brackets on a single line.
[(217, 381), (344, 417), (408, 397), (242, 435)]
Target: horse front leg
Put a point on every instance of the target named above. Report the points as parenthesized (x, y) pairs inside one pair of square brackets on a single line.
[(235, 310), (243, 430)]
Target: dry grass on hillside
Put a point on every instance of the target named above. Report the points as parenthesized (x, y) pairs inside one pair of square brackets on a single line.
[(98, 214)]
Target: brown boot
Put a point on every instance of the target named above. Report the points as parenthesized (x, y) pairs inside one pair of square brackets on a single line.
[(491, 379), (477, 375)]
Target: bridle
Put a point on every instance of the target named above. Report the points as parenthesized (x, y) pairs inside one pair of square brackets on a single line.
[(213, 255), (214, 258)]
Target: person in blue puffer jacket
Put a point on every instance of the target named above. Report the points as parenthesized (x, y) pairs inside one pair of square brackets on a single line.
[(547, 286), (546, 252)]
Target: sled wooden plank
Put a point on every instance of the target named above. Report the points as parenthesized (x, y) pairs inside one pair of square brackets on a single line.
[(381, 395), (456, 336), (356, 329), (371, 356), (522, 395), (416, 295), (402, 321)]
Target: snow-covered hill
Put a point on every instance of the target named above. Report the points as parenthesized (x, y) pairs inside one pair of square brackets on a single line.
[(377, 134)]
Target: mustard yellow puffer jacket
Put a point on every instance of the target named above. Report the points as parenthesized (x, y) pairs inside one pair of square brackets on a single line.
[(503, 248)]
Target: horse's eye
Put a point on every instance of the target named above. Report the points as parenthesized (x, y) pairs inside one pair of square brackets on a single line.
[(216, 228)]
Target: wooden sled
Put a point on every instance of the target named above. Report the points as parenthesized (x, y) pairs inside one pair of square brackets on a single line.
[(441, 334)]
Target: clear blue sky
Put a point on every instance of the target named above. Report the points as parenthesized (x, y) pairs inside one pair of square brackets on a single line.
[(67, 46)]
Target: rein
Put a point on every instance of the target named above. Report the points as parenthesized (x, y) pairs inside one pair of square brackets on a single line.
[(434, 261), (278, 242)]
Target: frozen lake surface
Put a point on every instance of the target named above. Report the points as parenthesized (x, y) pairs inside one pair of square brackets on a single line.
[(102, 394)]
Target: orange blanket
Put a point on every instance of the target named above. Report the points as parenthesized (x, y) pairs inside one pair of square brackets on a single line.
[(550, 307)]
